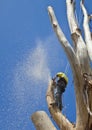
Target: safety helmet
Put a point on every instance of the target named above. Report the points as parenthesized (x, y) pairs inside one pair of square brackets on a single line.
[(62, 75)]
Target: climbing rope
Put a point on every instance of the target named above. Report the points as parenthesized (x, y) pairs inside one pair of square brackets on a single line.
[(87, 88), (66, 69)]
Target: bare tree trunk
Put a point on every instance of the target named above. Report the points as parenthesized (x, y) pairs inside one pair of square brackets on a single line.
[(42, 121), (79, 57)]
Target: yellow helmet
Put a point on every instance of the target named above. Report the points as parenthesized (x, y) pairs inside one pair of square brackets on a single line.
[(62, 75)]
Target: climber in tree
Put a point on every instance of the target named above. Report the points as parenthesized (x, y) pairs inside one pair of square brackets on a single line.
[(60, 81)]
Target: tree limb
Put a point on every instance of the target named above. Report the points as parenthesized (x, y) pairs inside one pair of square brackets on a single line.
[(87, 32), (82, 55), (71, 16), (59, 118), (42, 121), (80, 47), (76, 69), (67, 47)]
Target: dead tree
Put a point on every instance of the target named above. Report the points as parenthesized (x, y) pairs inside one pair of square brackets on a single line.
[(80, 57)]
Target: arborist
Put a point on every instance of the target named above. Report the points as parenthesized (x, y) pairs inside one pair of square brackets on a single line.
[(60, 81)]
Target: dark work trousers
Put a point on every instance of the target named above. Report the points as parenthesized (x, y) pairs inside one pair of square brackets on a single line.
[(58, 98), (58, 91)]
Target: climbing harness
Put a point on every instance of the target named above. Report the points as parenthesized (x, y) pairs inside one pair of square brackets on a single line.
[(86, 89)]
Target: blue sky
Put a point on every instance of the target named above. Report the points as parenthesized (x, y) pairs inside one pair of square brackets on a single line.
[(30, 55)]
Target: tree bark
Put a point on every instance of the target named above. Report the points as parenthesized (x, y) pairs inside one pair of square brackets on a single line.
[(88, 38), (76, 69), (42, 121), (77, 57), (62, 122)]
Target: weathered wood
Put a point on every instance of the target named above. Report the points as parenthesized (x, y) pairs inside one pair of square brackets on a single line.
[(62, 122), (75, 66), (87, 32), (42, 121), (77, 56), (82, 56)]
